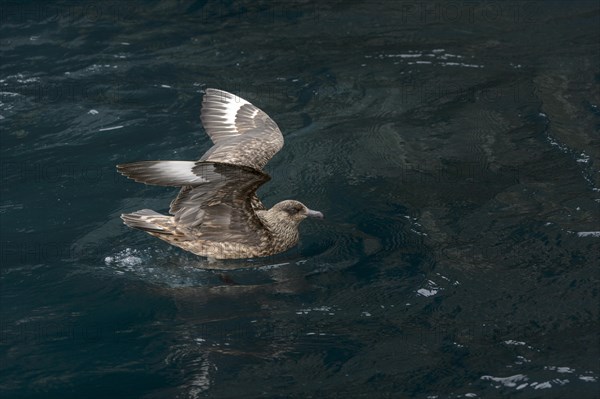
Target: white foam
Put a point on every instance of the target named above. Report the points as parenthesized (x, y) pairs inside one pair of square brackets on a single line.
[(325, 309), (110, 128), (560, 369), (588, 234), (274, 266), (543, 385), (583, 158), (426, 292), (510, 381)]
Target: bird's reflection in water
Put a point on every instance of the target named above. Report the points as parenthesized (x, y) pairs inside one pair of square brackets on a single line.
[(236, 320), (243, 311)]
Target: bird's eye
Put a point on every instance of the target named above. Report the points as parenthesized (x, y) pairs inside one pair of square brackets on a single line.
[(293, 210)]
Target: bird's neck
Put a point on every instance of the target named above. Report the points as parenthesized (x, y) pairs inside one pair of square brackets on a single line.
[(283, 229)]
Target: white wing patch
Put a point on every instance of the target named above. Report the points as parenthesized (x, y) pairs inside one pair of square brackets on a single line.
[(177, 170), (232, 106), (163, 173), (254, 113)]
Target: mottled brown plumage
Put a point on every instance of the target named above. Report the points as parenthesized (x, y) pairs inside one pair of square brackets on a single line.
[(217, 213)]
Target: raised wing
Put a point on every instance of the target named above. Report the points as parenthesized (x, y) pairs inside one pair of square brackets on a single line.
[(242, 133)]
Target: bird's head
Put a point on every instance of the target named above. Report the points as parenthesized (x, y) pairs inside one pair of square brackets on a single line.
[(294, 210)]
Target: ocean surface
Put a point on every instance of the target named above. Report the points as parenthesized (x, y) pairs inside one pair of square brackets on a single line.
[(454, 148)]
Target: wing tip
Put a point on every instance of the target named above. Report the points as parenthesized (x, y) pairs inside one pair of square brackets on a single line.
[(161, 173)]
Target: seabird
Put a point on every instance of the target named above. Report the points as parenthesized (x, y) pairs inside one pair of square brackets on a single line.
[(217, 213)]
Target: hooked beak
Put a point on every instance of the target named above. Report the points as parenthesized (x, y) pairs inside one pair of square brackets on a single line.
[(314, 214)]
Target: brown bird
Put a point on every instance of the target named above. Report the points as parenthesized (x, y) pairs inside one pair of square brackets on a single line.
[(217, 213)]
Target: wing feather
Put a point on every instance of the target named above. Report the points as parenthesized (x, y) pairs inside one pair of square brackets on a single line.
[(235, 125), (162, 173), (222, 209)]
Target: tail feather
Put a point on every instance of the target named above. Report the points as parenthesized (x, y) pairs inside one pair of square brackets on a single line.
[(148, 220)]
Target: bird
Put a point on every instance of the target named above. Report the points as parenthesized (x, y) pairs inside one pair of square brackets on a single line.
[(217, 213)]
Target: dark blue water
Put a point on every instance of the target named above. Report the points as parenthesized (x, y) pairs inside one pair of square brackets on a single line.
[(453, 147)]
